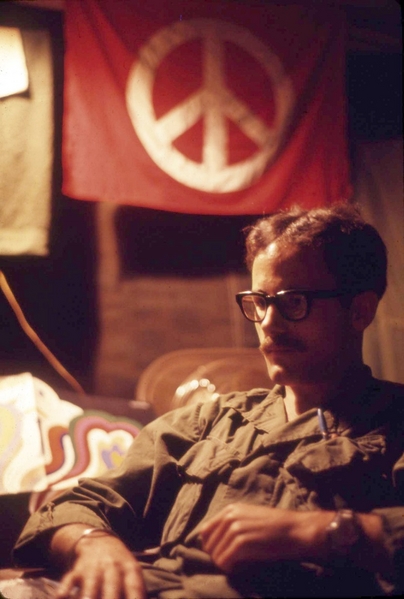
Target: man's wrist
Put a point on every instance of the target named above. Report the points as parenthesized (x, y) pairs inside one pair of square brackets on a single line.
[(87, 533), (344, 535), (310, 537), (355, 538), (64, 541)]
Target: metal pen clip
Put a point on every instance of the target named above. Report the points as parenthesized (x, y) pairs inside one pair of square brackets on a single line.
[(322, 424)]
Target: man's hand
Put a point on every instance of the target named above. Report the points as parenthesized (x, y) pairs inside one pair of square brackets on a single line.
[(103, 569), (244, 532)]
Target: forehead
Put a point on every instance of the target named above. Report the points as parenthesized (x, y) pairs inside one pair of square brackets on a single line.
[(284, 266)]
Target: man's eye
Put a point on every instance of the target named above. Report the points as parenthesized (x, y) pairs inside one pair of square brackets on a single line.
[(259, 302), (294, 302)]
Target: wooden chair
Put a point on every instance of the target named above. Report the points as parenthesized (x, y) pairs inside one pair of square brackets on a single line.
[(185, 376)]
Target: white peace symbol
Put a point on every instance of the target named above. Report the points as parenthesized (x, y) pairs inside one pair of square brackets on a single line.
[(214, 101)]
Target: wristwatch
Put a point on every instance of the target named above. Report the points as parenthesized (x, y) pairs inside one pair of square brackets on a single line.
[(344, 533)]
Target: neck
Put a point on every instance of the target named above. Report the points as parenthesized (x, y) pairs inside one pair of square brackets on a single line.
[(299, 399), (302, 397)]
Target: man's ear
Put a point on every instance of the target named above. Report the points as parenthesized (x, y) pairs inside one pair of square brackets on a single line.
[(363, 309)]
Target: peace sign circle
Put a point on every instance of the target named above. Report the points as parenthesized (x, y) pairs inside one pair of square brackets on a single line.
[(214, 102)]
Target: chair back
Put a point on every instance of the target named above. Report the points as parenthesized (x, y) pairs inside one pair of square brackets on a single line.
[(186, 376)]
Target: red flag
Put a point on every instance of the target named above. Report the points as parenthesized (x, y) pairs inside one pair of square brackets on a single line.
[(216, 107)]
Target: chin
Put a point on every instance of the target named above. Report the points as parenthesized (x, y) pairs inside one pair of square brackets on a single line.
[(278, 374), (282, 374)]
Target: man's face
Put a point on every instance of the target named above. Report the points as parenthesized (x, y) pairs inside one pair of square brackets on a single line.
[(316, 349)]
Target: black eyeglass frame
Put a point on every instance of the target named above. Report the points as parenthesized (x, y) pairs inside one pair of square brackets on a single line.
[(309, 294)]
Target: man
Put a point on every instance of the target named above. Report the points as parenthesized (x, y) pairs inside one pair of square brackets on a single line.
[(297, 491)]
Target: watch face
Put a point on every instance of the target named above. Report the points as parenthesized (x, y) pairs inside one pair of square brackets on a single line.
[(344, 532)]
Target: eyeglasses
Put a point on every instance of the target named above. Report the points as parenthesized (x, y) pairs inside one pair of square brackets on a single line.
[(292, 304)]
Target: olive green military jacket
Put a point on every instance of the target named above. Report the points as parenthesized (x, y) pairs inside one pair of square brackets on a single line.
[(188, 464)]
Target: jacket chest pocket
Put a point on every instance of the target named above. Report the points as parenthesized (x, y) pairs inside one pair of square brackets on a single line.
[(202, 468), (343, 471), (254, 481), (208, 458)]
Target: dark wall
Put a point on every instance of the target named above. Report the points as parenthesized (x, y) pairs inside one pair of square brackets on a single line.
[(59, 293)]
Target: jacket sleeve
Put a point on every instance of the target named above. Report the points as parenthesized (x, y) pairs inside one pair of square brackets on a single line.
[(393, 524), (133, 500)]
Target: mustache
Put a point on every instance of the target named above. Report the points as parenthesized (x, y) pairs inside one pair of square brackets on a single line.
[(281, 341)]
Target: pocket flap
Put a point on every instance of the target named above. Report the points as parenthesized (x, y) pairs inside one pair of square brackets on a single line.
[(207, 457), (332, 454)]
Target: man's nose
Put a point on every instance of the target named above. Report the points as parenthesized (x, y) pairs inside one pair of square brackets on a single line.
[(273, 320)]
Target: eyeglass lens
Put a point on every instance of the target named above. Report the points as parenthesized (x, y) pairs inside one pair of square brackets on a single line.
[(292, 306)]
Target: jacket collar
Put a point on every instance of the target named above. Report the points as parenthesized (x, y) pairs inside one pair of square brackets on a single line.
[(355, 401)]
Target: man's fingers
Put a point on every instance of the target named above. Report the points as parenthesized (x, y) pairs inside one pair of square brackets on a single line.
[(134, 585), (68, 586), (76, 586), (236, 550), (210, 536), (111, 585), (226, 548), (221, 536), (241, 532)]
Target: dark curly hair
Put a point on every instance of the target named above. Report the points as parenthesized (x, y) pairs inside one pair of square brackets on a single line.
[(354, 252)]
